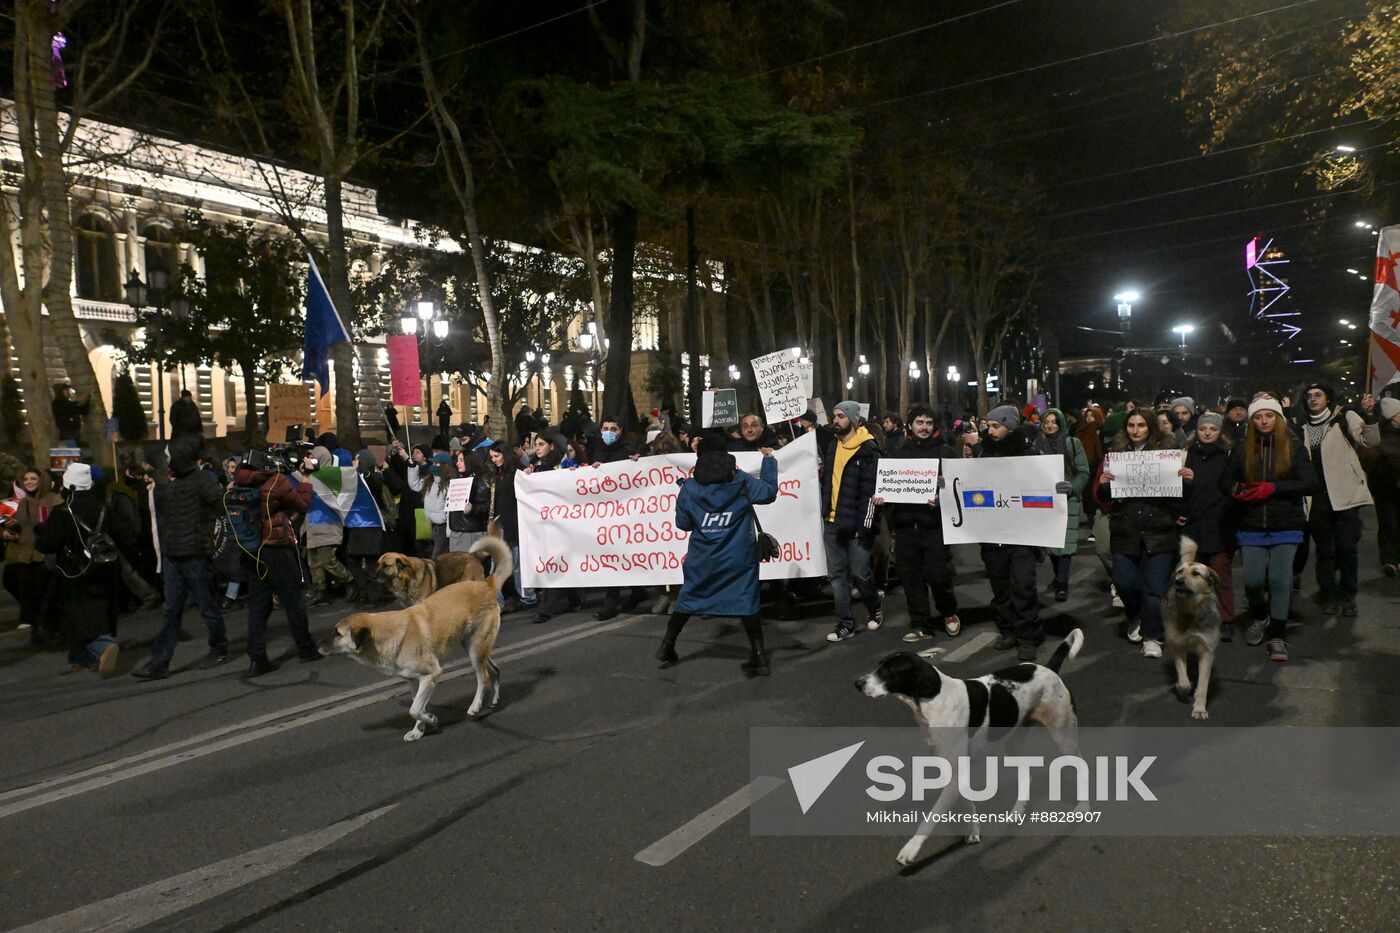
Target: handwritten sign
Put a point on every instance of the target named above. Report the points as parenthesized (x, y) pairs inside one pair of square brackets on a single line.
[(287, 405), (1147, 474), (459, 494), (807, 370), (615, 525), (405, 380), (913, 481), (720, 407), (780, 385), (1005, 500), (864, 410)]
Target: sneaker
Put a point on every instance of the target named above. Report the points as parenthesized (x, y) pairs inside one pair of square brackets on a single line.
[(1135, 632), (877, 618), (1349, 608), (1117, 600), (1255, 633), (1025, 652), (1389, 569), (1061, 594), (107, 661), (659, 607), (917, 634), (1004, 643), (23, 627), (843, 631), (148, 671), (952, 625), (211, 660), (1278, 649), (1151, 648)]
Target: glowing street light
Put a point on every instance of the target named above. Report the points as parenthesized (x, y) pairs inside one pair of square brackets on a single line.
[(1345, 149), (1126, 300), (1183, 330)]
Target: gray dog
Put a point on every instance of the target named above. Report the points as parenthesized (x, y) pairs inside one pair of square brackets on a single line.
[(1192, 613)]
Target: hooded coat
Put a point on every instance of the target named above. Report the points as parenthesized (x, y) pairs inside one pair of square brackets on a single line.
[(84, 593), (1207, 503), (854, 513), (716, 506), (1076, 474), (188, 506)]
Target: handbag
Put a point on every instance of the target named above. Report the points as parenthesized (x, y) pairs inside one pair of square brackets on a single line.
[(765, 545)]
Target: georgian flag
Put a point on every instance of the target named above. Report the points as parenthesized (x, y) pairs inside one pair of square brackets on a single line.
[(1385, 313)]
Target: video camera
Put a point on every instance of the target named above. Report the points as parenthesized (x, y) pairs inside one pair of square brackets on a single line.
[(280, 458)]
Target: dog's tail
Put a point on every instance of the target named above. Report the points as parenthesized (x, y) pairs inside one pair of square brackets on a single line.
[(1188, 550), (501, 564), (1068, 649)]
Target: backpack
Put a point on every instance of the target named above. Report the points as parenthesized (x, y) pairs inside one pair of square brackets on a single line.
[(94, 546), (243, 513)]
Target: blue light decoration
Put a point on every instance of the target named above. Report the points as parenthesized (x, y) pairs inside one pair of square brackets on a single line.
[(1264, 265)]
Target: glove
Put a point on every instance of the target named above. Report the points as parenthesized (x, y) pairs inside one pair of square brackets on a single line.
[(1253, 492), (1063, 488)]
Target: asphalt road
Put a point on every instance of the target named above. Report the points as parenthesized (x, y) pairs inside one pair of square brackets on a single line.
[(209, 801)]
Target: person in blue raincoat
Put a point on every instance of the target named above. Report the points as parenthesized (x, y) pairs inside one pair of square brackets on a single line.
[(721, 565)]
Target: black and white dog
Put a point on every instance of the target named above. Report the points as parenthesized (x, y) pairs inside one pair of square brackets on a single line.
[(960, 715)]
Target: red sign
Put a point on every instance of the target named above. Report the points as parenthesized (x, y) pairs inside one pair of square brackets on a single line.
[(405, 381)]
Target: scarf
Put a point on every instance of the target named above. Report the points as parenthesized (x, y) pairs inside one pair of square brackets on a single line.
[(1316, 428)]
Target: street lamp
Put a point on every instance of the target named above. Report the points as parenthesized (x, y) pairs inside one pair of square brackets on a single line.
[(1183, 330), (157, 295), (1126, 300), (434, 325)]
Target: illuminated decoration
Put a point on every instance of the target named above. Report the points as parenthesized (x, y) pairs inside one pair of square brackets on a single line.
[(1268, 289), (56, 47)]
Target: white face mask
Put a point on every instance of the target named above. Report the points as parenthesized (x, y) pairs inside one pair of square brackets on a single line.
[(609, 437)]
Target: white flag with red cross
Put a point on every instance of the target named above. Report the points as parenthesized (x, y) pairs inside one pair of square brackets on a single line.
[(1385, 313)]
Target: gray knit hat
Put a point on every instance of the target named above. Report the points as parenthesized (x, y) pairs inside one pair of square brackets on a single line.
[(1005, 415), (1211, 417), (1186, 402), (850, 409)]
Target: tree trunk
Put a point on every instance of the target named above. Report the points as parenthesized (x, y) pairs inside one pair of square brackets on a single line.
[(617, 373), (251, 418), (347, 409), (22, 313)]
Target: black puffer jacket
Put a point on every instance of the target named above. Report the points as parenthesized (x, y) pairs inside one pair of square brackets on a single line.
[(1137, 525), (473, 519), (907, 516), (855, 514), (85, 593), (1207, 504), (1284, 510), (188, 506)]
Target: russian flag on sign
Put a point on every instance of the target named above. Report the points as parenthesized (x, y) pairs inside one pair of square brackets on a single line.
[(978, 499), (1037, 502)]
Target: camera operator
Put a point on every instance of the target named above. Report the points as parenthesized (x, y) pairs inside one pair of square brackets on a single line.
[(275, 567)]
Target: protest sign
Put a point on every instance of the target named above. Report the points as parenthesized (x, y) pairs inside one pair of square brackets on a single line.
[(459, 494), (1005, 500), (720, 407), (405, 379), (1144, 473), (807, 370), (286, 405), (815, 406), (779, 379), (864, 410), (913, 481), (614, 525)]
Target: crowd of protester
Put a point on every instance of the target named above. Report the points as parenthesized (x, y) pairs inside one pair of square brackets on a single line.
[(1264, 480)]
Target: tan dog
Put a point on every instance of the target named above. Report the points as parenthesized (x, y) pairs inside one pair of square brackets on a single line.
[(414, 579), (1192, 616), (410, 642)]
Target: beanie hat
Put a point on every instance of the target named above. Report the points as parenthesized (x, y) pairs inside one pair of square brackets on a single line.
[(1235, 403), (1210, 417), (77, 476), (1390, 407), (1186, 402), (712, 444), (1005, 415), (850, 409), (1326, 390), (367, 461), (1267, 403)]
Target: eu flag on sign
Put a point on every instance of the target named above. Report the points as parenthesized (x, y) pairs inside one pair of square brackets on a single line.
[(323, 328), (979, 499)]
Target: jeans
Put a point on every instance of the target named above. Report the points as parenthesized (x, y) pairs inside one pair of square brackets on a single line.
[(185, 577), (1011, 571), (527, 595), (848, 560), (1221, 562), (1061, 565), (1336, 536), (924, 562), (89, 654), (1142, 585), (280, 572), (1268, 583)]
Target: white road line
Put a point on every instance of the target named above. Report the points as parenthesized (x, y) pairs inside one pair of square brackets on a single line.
[(145, 905), (963, 652), (668, 847), (54, 789)]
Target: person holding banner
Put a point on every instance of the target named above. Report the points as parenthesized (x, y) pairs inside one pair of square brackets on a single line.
[(1143, 538), (551, 453), (753, 434), (848, 473), (1011, 567), (1056, 439), (921, 558), (1273, 476), (716, 505)]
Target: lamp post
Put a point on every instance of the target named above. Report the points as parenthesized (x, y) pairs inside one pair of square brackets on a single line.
[(157, 295), (1183, 330)]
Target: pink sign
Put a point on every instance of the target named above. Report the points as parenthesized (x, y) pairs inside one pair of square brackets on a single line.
[(405, 381)]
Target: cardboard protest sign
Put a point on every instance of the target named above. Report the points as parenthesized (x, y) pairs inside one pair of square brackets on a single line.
[(1005, 500), (913, 481), (1144, 473), (459, 494), (779, 379), (614, 525), (719, 407), (287, 404)]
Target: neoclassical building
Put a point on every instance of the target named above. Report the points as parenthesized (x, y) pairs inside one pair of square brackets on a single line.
[(126, 216)]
